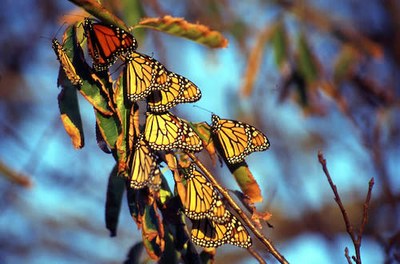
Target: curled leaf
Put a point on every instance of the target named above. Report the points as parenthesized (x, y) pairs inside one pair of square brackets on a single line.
[(181, 28)]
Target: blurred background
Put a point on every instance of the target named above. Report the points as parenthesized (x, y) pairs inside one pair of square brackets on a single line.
[(313, 75)]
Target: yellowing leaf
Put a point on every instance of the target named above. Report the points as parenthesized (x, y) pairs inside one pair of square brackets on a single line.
[(181, 28), (72, 131), (248, 184), (70, 115)]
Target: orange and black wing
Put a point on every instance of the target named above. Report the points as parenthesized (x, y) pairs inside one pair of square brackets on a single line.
[(200, 194), (202, 199), (143, 164), (106, 42), (177, 90), (239, 235), (167, 131), (143, 74), (208, 234), (238, 139)]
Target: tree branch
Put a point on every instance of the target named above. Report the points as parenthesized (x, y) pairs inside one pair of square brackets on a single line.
[(356, 238)]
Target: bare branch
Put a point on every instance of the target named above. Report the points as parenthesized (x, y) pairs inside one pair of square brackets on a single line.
[(346, 254), (256, 255), (349, 228)]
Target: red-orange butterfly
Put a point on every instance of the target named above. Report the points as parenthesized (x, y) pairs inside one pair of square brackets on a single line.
[(106, 42)]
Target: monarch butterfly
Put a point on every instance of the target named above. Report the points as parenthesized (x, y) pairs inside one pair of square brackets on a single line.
[(143, 74), (106, 42), (66, 63), (167, 131), (209, 234), (177, 90), (202, 200), (238, 139), (143, 164)]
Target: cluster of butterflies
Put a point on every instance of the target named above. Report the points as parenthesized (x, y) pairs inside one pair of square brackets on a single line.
[(147, 79)]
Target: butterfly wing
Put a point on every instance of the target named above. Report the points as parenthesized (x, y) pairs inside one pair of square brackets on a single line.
[(106, 42), (66, 63), (177, 90), (143, 75), (166, 132), (239, 235), (238, 139), (200, 196), (233, 138), (209, 234), (143, 165), (259, 142)]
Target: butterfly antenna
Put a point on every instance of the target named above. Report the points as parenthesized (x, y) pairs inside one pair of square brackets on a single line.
[(54, 35), (204, 109)]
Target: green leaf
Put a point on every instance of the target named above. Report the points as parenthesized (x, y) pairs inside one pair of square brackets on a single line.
[(181, 28), (94, 8), (69, 110), (306, 62), (123, 113), (115, 191), (109, 128), (280, 44)]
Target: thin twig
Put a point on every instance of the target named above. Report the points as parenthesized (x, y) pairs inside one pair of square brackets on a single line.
[(346, 254), (356, 238), (256, 255), (236, 207)]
